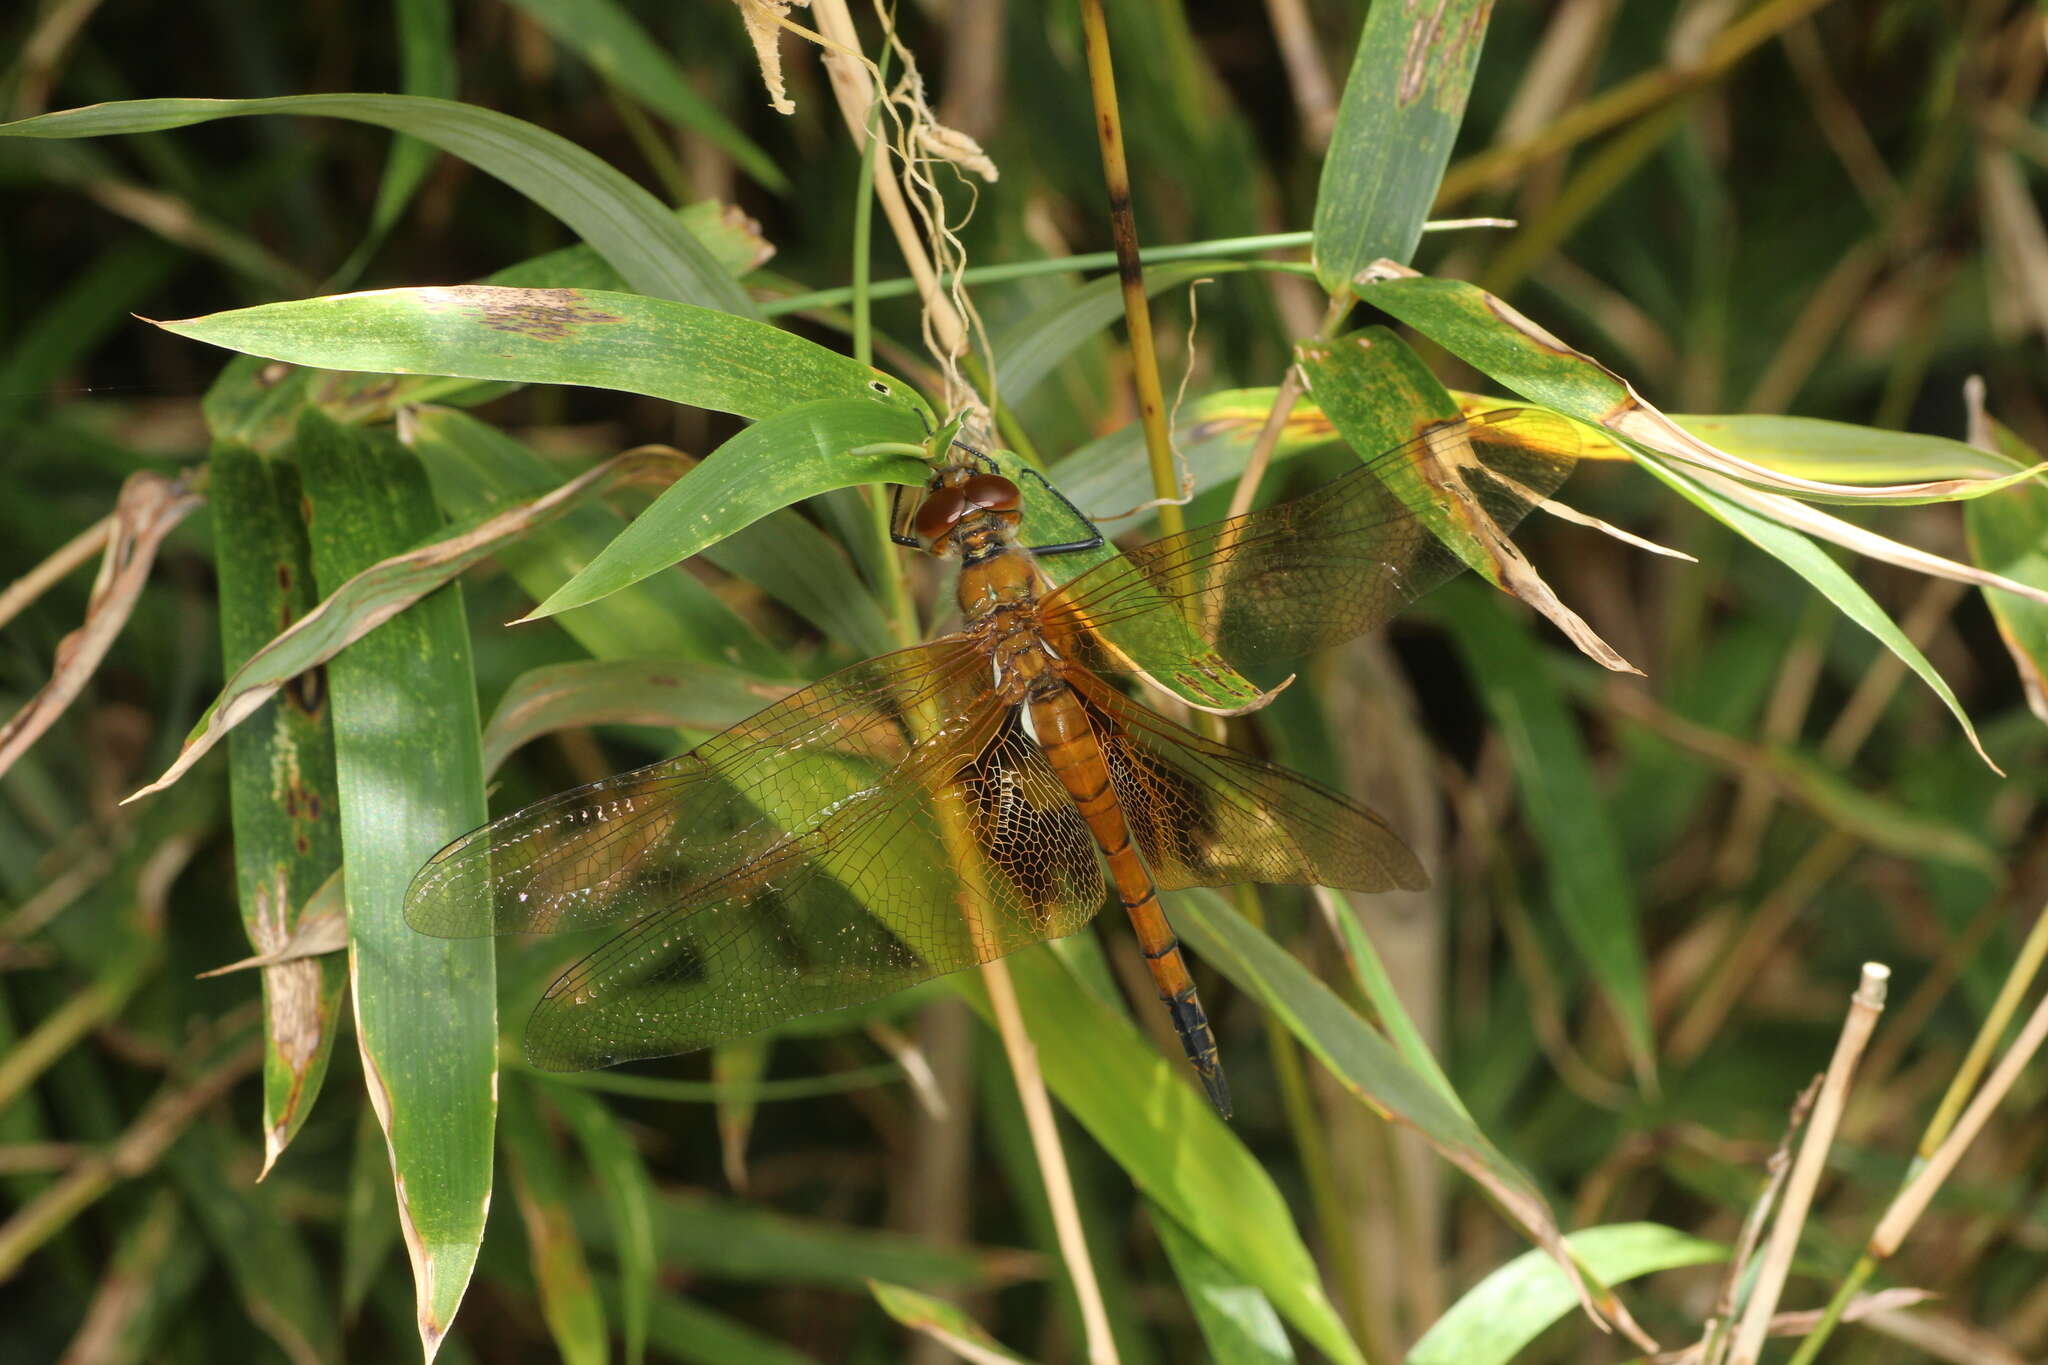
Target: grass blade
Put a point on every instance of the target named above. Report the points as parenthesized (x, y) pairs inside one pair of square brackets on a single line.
[(568, 1299), (1511, 1307), (1238, 1323), (1398, 117), (782, 459), (626, 224), (1358, 1056), (593, 337), (406, 756), (281, 779), (1590, 889), (1811, 563), (614, 43), (1142, 1108)]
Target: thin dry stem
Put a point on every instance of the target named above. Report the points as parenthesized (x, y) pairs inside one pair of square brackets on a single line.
[(1052, 1159), (1864, 1008), (1912, 1201), (1301, 53), (2018, 980), (67, 557)]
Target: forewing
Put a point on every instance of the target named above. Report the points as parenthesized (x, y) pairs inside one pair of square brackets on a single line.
[(632, 844), (968, 851), (1296, 577), (1204, 814)]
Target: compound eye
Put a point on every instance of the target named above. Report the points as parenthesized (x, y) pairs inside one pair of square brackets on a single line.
[(991, 492), (941, 508)]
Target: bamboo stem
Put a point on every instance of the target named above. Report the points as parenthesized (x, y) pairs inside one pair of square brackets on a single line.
[(1137, 309)]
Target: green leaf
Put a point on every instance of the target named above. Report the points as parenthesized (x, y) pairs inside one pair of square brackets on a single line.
[(1146, 1113), (281, 778), (625, 223), (687, 1331), (742, 1241), (593, 337), (628, 1193), (1398, 117), (943, 1322), (659, 692), (1354, 1053), (1033, 348), (426, 52), (254, 404), (1844, 453), (1214, 435), (1811, 563), (272, 1269), (613, 42), (406, 758), (568, 1299), (478, 472), (1511, 1307), (371, 598), (1589, 883), (779, 460), (1492, 337), (2009, 535), (1237, 1321)]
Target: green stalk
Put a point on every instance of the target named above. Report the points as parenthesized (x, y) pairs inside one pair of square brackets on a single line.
[(1221, 247), (888, 567)]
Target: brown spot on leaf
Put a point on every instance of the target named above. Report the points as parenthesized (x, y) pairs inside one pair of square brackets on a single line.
[(542, 314)]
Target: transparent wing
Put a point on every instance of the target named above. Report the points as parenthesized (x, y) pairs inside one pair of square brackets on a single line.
[(969, 850), (1296, 577), (1206, 815), (620, 849)]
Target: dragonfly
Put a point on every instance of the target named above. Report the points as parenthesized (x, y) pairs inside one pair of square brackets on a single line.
[(946, 804)]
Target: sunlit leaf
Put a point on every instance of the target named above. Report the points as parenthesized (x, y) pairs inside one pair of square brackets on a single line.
[(1511, 1307), (594, 337), (1398, 118), (405, 727)]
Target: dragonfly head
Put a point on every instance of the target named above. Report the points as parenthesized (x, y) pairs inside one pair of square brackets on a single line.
[(960, 498)]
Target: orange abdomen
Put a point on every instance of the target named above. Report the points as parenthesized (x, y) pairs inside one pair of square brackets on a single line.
[(1077, 760)]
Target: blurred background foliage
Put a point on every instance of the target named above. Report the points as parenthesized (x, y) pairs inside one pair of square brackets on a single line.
[(1824, 209)]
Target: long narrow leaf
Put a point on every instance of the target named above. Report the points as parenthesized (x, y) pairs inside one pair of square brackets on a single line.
[(1399, 115), (626, 224), (1143, 1110), (1811, 563), (612, 40), (1509, 1308), (281, 779), (405, 727), (1361, 1059), (782, 459), (369, 599), (593, 337), (1589, 883)]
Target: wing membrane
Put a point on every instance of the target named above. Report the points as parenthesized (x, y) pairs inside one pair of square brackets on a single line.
[(968, 851), (1296, 577), (1206, 815), (620, 849)]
